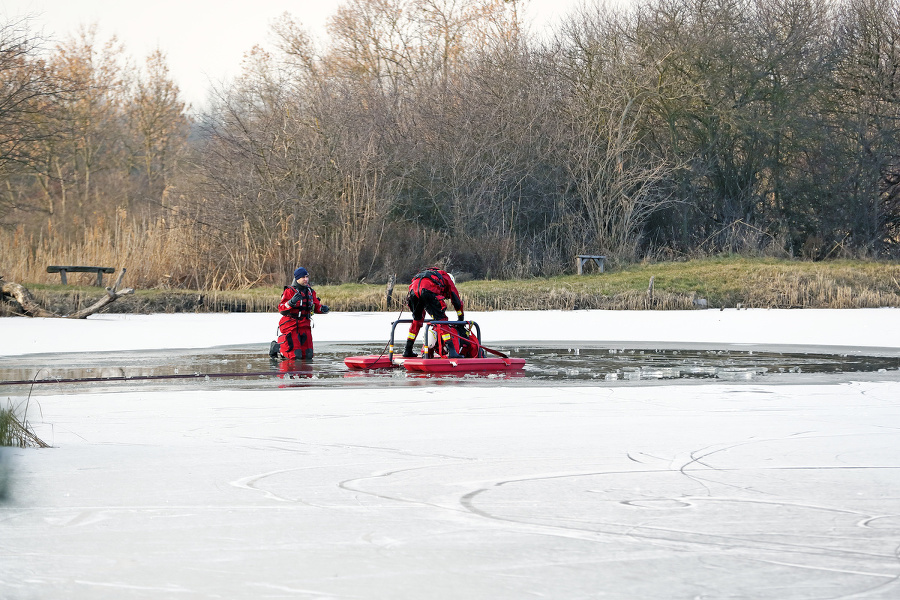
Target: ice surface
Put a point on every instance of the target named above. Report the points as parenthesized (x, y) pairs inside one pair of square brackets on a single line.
[(875, 328), (716, 490)]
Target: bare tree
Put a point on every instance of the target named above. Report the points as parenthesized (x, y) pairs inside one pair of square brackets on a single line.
[(93, 130), (157, 123), (616, 170), (27, 88), (863, 122)]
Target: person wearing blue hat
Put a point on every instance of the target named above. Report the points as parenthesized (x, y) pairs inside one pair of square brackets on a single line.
[(298, 303)]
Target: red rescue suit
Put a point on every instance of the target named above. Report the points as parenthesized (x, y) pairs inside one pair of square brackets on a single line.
[(427, 293), (297, 305)]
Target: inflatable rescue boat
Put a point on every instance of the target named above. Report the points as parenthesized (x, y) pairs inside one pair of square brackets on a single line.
[(433, 357)]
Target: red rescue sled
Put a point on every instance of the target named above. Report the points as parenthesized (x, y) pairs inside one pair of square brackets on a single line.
[(463, 365), (434, 359), (370, 361)]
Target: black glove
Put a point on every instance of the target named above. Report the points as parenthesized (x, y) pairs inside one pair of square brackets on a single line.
[(325, 309), (297, 299)]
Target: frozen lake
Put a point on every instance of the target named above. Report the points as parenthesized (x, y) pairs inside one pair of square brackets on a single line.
[(548, 363), (699, 470)]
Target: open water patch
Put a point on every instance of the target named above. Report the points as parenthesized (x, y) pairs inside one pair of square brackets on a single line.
[(559, 363)]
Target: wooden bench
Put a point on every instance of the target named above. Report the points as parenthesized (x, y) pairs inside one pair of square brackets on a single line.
[(581, 259), (98, 270)]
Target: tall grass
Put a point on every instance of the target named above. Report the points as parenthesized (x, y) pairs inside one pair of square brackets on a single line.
[(165, 252), (174, 269), (15, 431), (715, 283)]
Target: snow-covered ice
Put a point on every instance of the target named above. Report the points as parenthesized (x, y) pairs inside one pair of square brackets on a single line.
[(878, 328), (438, 491)]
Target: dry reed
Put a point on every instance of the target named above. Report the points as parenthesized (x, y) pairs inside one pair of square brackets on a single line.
[(174, 269), (17, 432), (161, 253)]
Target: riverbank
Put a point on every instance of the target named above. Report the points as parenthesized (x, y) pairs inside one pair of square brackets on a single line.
[(730, 282)]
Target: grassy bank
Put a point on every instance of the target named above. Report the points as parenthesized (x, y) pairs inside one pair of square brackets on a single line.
[(715, 283)]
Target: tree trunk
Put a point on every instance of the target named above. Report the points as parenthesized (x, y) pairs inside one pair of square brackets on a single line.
[(30, 308)]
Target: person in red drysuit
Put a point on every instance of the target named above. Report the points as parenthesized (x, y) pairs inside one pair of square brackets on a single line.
[(298, 302), (427, 293)]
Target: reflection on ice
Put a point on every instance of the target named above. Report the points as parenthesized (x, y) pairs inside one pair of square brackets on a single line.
[(736, 374), (250, 367)]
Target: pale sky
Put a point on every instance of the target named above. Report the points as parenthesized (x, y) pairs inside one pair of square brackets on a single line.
[(204, 40)]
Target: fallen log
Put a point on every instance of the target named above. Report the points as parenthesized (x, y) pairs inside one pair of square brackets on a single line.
[(30, 307)]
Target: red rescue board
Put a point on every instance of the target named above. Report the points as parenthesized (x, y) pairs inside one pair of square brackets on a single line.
[(462, 365), (372, 361)]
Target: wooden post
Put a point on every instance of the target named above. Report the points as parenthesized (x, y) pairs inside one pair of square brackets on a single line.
[(389, 292), (119, 280), (650, 292)]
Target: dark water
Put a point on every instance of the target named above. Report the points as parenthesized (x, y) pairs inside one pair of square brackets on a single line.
[(249, 367)]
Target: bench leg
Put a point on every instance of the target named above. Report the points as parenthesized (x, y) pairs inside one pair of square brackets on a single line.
[(62, 275), (100, 278), (578, 265)]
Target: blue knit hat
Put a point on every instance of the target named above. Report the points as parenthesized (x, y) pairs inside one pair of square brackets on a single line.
[(300, 272)]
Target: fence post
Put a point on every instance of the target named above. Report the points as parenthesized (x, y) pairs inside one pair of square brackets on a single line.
[(389, 292)]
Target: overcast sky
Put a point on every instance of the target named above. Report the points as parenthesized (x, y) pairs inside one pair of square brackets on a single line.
[(204, 40)]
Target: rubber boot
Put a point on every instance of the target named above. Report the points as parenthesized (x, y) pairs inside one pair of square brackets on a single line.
[(451, 351), (408, 351)]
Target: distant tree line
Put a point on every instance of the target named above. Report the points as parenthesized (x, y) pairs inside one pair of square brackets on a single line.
[(83, 133), (447, 131)]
